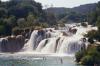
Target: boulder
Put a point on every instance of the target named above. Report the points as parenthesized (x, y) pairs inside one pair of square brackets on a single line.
[(73, 30)]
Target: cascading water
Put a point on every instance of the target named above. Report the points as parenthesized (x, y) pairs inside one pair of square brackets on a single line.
[(54, 41), (45, 46), (49, 40)]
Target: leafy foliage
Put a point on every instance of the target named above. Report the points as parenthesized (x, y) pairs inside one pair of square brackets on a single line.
[(89, 57), (21, 14), (94, 16), (93, 35), (92, 57)]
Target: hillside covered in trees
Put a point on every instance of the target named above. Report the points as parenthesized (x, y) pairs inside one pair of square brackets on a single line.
[(22, 14), (75, 14), (28, 14)]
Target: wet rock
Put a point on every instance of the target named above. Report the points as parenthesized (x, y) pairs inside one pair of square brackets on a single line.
[(73, 30), (12, 43)]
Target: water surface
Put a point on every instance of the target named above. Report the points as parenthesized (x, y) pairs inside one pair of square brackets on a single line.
[(30, 60)]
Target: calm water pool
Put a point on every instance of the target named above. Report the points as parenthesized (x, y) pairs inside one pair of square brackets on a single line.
[(30, 60)]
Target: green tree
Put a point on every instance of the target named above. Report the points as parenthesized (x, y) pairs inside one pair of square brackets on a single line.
[(21, 22), (3, 12), (11, 21), (30, 20)]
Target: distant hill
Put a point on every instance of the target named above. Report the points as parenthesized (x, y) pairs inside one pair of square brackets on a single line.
[(75, 14), (58, 10), (79, 9), (85, 8)]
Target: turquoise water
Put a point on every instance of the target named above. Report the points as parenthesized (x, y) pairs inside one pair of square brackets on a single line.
[(38, 61), (35, 60)]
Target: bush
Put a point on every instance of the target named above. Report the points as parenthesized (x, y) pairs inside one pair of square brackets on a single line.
[(2, 29), (93, 57), (93, 34), (87, 60), (79, 55), (44, 25), (5, 30), (16, 31), (90, 57)]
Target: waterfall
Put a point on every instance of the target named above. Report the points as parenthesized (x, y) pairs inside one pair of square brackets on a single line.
[(54, 41), (29, 45), (42, 44)]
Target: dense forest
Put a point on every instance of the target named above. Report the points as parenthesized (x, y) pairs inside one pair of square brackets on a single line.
[(16, 15), (75, 14), (21, 15)]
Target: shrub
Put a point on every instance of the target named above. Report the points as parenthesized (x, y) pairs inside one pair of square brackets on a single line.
[(5, 30), (16, 31), (79, 55), (91, 57), (44, 25), (87, 60), (2, 29), (93, 34)]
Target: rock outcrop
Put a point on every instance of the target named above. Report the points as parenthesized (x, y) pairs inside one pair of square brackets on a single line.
[(12, 43)]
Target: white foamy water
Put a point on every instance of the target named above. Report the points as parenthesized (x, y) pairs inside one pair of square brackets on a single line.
[(56, 42), (48, 47)]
